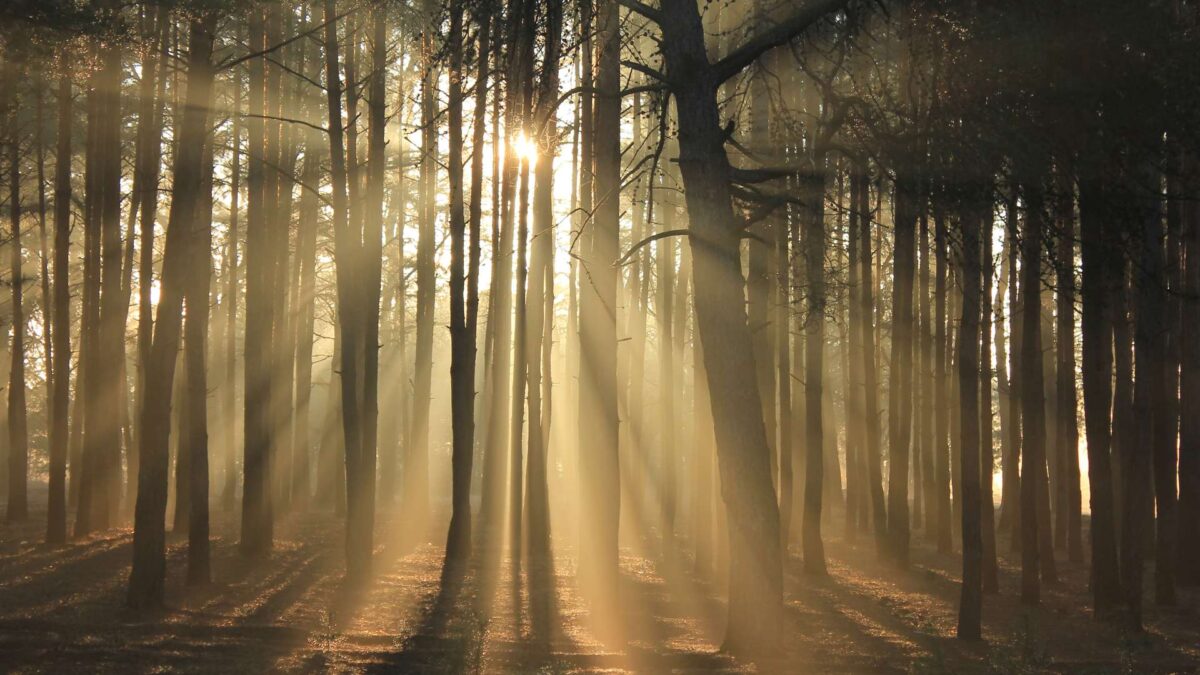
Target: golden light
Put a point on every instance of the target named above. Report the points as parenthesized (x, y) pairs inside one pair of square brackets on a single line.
[(525, 148)]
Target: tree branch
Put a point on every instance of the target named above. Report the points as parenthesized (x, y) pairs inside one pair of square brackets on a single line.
[(645, 70), (652, 238), (643, 9), (775, 36), (226, 65)]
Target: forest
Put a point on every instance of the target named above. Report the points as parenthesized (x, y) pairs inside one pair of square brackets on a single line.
[(600, 336)]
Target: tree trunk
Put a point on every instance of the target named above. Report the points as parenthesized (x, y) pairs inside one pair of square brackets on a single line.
[(56, 510), (537, 497), (814, 367), (899, 417), (987, 504), (194, 439), (1147, 401), (146, 580), (1098, 260), (416, 465), (1033, 461), (18, 435), (1188, 562), (870, 383), (756, 583), (941, 382), (257, 513), (1011, 480), (462, 352), (927, 374), (1068, 425), (970, 608), (599, 423), (229, 390)]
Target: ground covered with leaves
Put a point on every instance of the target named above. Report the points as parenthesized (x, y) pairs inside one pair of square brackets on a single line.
[(61, 610)]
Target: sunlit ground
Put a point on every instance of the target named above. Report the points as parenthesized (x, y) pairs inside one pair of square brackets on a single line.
[(61, 610)]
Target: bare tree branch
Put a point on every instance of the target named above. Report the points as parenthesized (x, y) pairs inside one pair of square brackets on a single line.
[(775, 36)]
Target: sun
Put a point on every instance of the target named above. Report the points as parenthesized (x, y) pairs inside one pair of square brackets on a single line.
[(525, 148)]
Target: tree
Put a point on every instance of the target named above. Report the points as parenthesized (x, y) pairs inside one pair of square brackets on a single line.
[(1097, 257), (56, 510), (257, 514), (1033, 472), (970, 609), (18, 435), (598, 418), (148, 574), (755, 557)]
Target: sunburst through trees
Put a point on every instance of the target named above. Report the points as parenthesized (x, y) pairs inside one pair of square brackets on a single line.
[(589, 334)]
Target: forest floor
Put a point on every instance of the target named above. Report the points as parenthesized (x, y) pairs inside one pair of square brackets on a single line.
[(61, 610)]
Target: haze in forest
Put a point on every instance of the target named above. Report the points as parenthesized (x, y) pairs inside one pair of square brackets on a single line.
[(595, 335)]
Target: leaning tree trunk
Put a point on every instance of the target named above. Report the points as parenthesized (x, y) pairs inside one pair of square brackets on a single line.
[(756, 579)]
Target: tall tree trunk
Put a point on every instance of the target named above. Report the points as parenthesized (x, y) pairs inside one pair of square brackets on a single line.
[(1033, 461), (941, 382), (145, 196), (970, 608), (537, 510), (195, 441), (599, 423), (900, 420), (56, 509), (416, 465), (1157, 428), (756, 583), (229, 390), (927, 374), (987, 504), (99, 494), (462, 352), (1188, 562), (146, 580), (1098, 257), (870, 383), (306, 254), (257, 513), (1147, 399), (814, 367), (1068, 425), (1011, 480), (18, 436)]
